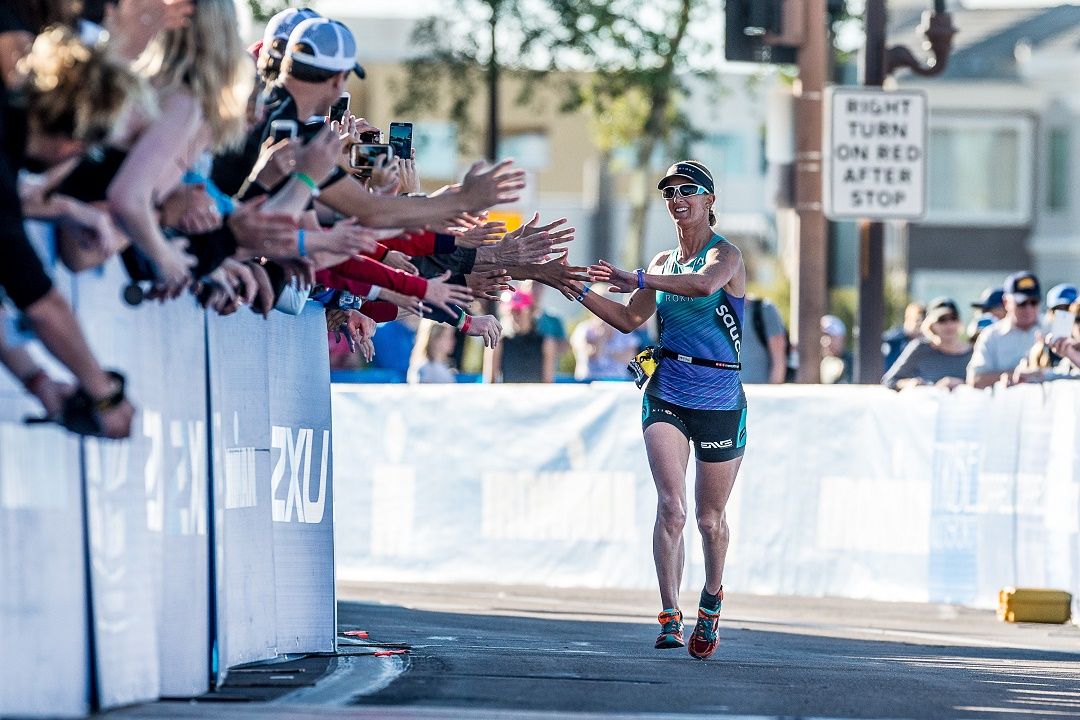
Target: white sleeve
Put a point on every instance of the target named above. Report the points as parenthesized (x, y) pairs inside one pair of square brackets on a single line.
[(982, 357)]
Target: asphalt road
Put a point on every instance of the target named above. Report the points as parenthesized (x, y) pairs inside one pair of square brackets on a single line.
[(837, 659), (496, 653)]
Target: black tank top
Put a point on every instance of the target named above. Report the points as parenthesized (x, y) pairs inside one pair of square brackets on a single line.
[(523, 358)]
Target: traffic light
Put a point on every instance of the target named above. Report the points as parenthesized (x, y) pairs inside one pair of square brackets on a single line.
[(763, 18), (762, 30)]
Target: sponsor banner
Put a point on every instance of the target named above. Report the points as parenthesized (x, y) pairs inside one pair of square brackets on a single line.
[(243, 524), (147, 499), (517, 484), (301, 480), (922, 496)]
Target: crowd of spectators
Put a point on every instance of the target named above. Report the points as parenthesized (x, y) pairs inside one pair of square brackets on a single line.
[(145, 129), (1008, 342)]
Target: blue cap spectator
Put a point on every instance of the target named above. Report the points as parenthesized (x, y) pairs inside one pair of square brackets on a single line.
[(992, 300), (1061, 296)]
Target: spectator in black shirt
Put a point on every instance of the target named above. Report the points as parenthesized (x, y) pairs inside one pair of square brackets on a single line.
[(73, 96)]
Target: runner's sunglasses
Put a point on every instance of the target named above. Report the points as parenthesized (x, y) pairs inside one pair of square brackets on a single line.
[(684, 190)]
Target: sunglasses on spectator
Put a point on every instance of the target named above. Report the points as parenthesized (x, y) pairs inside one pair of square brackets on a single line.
[(949, 318), (1030, 302), (684, 190)]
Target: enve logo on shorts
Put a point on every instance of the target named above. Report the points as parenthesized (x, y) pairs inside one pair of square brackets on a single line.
[(721, 445)]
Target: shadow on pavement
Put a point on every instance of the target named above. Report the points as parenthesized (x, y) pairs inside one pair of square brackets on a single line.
[(488, 662)]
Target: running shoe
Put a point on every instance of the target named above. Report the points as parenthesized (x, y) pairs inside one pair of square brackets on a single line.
[(706, 635), (671, 630)]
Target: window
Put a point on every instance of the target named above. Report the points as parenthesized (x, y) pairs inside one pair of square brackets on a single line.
[(530, 150), (726, 155), (981, 171), (1057, 184), (436, 149)]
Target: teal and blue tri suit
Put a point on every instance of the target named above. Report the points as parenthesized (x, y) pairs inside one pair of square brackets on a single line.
[(707, 404)]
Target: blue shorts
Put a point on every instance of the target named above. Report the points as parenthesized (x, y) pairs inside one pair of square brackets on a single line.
[(716, 435)]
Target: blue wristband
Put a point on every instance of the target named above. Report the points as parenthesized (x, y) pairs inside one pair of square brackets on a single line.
[(300, 243), (640, 278), (581, 295)]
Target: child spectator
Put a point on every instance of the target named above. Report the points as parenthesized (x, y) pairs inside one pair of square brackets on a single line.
[(431, 355)]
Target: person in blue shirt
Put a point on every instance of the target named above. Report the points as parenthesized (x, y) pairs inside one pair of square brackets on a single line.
[(695, 398)]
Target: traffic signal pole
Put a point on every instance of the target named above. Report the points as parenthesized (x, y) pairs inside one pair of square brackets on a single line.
[(871, 309), (878, 63), (809, 291)]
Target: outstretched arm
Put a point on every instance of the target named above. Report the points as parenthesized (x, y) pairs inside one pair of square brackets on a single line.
[(723, 267), (629, 317)]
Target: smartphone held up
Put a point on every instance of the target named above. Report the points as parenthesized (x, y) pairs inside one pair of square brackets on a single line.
[(362, 156), (1061, 324), (340, 108), (401, 137), (283, 130)]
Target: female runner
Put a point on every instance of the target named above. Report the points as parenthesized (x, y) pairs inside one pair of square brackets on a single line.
[(695, 397)]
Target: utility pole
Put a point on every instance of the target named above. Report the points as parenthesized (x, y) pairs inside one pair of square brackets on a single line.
[(493, 85), (809, 292), (878, 63)]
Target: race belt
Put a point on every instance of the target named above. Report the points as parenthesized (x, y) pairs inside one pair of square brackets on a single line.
[(703, 362)]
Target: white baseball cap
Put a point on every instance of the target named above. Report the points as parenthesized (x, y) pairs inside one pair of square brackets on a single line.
[(832, 325), (281, 26), (324, 44)]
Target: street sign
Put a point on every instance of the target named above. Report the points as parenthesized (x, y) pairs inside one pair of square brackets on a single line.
[(875, 154)]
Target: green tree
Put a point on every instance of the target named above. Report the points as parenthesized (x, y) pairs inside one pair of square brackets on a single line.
[(627, 62), (263, 10)]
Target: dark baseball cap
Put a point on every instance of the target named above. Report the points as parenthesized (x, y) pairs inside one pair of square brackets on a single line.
[(991, 297), (940, 307), (1023, 284), (689, 169)]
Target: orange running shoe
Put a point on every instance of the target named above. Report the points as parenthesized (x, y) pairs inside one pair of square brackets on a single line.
[(706, 635), (671, 630)]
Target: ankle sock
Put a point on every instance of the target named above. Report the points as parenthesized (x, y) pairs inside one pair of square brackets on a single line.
[(709, 601)]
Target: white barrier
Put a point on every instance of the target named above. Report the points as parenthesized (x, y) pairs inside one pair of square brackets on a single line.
[(147, 500), (143, 623), (302, 499), (845, 491), (43, 616), (43, 597), (243, 524), (274, 509)]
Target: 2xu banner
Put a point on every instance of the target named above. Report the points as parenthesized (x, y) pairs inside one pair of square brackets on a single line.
[(273, 500), (234, 409), (861, 492)]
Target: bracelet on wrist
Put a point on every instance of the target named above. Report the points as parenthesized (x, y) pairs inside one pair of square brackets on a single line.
[(640, 272), (460, 322), (300, 243), (307, 180), (112, 399), (581, 295), (467, 324)]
